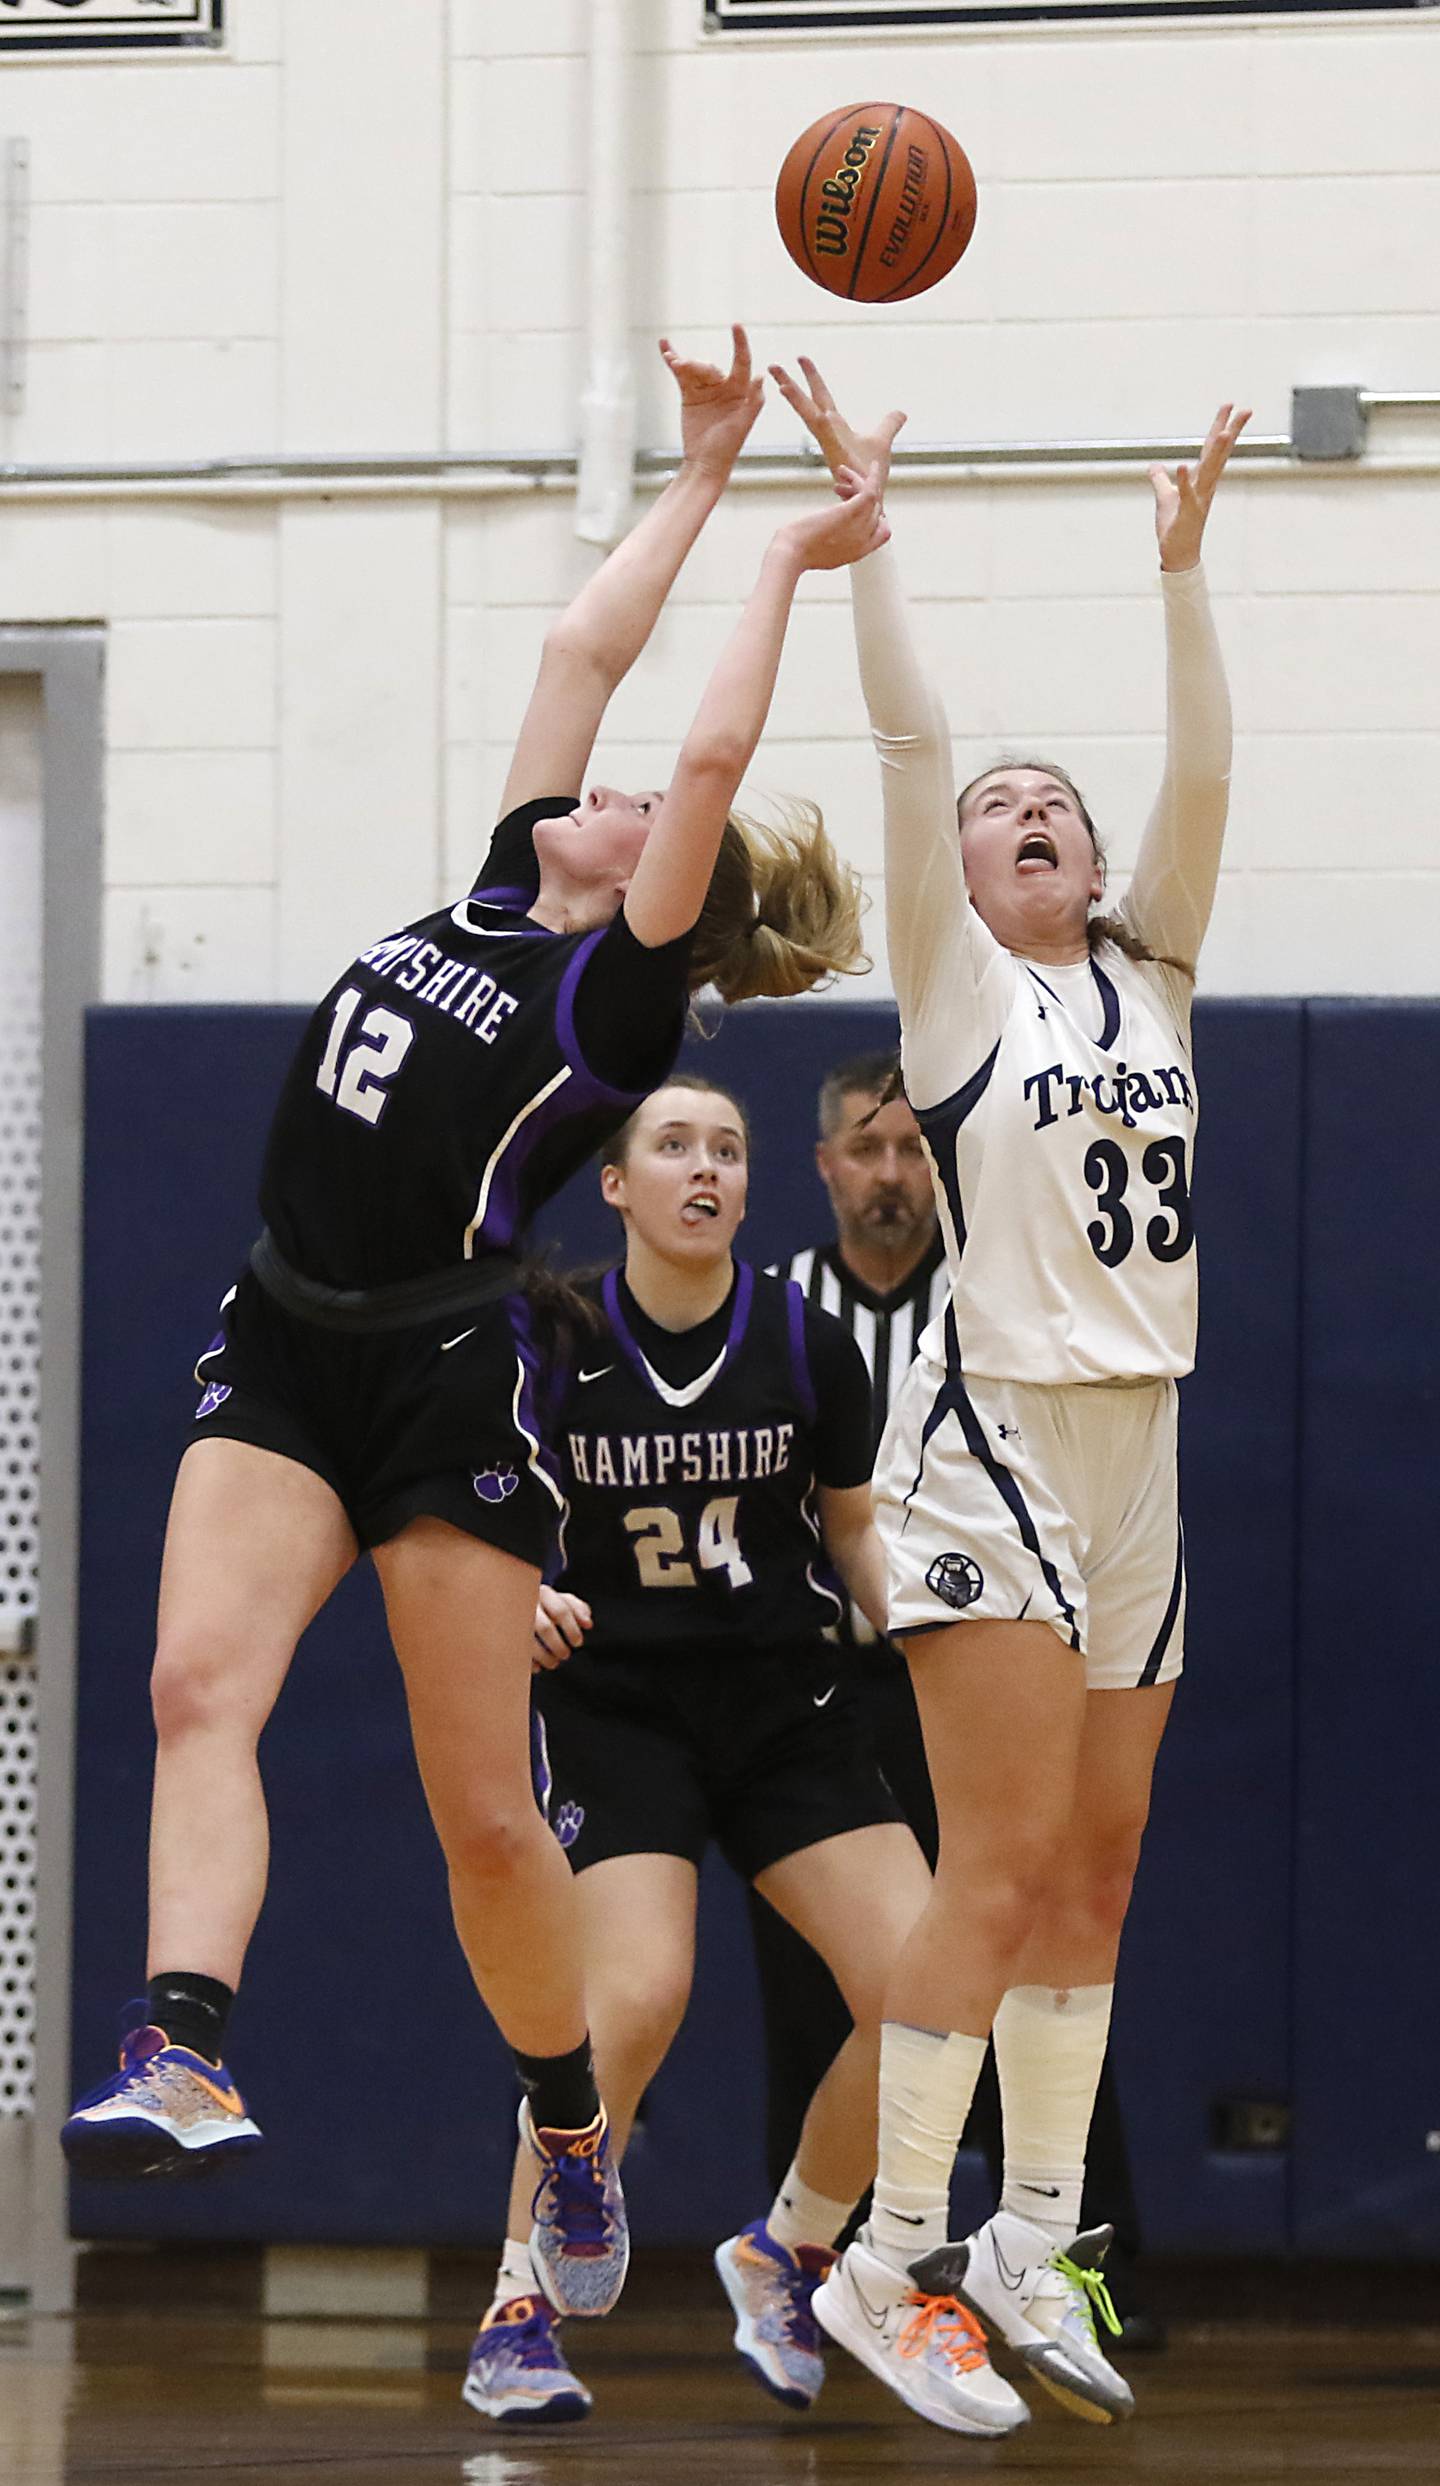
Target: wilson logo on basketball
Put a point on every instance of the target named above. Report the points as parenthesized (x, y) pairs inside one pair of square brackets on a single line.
[(832, 228)]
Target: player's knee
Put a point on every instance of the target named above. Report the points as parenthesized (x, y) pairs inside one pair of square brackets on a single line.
[(1005, 1891), (1106, 1874), (635, 2025), (199, 1684), (489, 1839)]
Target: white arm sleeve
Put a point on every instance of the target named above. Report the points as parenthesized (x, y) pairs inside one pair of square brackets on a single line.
[(951, 977), (1170, 897)]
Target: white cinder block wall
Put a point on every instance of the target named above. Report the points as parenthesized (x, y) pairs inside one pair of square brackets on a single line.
[(362, 229)]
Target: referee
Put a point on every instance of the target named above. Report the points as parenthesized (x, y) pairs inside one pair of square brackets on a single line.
[(884, 1276)]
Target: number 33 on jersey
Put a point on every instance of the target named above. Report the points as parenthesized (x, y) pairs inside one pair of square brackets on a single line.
[(1062, 1171)]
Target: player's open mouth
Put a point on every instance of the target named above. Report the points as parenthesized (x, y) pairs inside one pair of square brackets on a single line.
[(1037, 853), (700, 1210)]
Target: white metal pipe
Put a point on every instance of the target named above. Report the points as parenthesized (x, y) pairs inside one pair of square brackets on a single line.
[(604, 497), (28, 485)]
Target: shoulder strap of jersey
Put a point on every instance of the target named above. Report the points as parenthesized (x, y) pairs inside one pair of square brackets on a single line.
[(799, 1354)]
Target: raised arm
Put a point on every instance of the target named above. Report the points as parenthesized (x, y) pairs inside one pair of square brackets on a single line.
[(590, 648), (1172, 890), (932, 932), (668, 886)]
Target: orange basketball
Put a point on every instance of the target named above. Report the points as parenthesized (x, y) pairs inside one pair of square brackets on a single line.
[(876, 202)]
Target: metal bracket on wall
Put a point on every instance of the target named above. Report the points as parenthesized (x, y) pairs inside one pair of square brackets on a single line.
[(14, 274), (1329, 422)]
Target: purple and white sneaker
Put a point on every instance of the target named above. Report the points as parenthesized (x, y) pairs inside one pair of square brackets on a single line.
[(517, 2372), (770, 2288), (580, 2242), (165, 2112)]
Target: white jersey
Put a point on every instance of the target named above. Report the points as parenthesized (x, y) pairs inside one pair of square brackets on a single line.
[(1057, 1103), (1061, 1162)]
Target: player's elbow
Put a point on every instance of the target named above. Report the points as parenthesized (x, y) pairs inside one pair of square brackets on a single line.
[(573, 653)]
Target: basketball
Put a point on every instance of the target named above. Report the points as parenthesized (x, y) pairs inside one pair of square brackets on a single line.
[(876, 202)]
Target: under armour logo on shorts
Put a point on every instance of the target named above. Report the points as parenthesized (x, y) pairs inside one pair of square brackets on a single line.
[(216, 1393), (955, 1580), (568, 1823), (495, 1484)]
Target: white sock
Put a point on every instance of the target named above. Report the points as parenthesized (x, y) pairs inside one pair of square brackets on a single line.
[(516, 2274), (1049, 2048), (801, 2216), (927, 2080)]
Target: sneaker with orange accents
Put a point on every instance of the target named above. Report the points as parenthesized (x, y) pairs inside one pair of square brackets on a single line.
[(580, 2242), (165, 2112), (928, 2350), (517, 2372), (770, 2290)]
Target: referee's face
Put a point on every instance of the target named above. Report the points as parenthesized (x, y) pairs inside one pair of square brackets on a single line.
[(873, 1166)]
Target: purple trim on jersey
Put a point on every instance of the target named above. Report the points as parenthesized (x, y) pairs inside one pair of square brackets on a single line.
[(540, 1770), (799, 1355), (630, 1345), (581, 1093), (570, 1042), (530, 1364), (744, 1297), (501, 1221)]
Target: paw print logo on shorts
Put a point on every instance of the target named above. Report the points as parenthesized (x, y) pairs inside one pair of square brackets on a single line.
[(216, 1393), (955, 1580), (495, 1484), (569, 1822)]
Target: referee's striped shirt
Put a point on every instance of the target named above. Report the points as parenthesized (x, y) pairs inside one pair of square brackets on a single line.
[(886, 1328)]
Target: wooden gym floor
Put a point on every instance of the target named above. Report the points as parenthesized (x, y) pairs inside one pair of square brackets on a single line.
[(1284, 2395)]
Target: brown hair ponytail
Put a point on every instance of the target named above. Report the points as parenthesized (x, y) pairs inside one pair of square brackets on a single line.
[(782, 912)]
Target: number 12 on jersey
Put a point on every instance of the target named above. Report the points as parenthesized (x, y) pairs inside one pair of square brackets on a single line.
[(360, 1082), (659, 1541)]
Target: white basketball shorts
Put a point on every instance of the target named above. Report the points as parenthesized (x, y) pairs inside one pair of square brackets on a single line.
[(1008, 1502)]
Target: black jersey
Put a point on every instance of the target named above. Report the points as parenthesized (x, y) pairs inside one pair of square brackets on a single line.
[(692, 1503), (887, 1329), (445, 1087)]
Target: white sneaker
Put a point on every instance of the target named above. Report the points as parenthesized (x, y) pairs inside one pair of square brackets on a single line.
[(1043, 2303), (926, 2348)]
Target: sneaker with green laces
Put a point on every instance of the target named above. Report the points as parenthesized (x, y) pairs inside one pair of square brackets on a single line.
[(1044, 2302)]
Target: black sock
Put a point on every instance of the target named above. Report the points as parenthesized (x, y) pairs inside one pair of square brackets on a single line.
[(561, 2088), (192, 2011)]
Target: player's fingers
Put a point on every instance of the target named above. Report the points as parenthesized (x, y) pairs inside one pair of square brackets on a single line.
[(794, 395), (891, 425), (740, 355), (819, 386)]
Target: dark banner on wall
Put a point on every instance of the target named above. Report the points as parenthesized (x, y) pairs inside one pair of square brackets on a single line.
[(821, 16), (110, 25)]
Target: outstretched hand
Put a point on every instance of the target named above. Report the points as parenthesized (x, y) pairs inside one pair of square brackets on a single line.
[(1182, 500), (845, 529), (717, 408), (839, 442)]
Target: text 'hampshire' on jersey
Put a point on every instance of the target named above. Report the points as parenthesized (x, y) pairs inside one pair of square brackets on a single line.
[(406, 961)]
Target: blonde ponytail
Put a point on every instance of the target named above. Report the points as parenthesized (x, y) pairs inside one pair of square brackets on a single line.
[(782, 913)]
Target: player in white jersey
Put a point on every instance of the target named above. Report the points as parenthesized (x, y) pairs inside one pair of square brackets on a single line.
[(1026, 1484)]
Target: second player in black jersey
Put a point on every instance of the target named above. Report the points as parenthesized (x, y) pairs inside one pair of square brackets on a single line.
[(374, 1384), (715, 1440)]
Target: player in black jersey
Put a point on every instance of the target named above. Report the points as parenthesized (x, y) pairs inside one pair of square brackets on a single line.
[(373, 1386), (715, 1437)]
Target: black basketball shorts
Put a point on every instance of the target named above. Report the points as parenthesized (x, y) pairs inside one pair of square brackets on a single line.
[(659, 1751), (437, 1421)]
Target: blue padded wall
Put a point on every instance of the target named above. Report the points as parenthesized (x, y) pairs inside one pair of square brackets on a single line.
[(1367, 2025), (406, 2138)]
